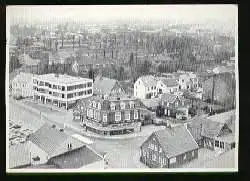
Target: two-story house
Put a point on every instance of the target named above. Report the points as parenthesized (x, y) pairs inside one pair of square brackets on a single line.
[(145, 87), (169, 148), (175, 106), (215, 132), (167, 85)]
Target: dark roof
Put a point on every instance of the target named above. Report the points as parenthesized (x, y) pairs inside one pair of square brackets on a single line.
[(176, 140), (169, 82), (53, 141), (104, 85), (76, 158)]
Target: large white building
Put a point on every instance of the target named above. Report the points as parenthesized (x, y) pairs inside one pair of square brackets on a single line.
[(61, 90), (21, 85), (145, 87)]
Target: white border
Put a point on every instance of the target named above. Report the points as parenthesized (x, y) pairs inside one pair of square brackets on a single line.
[(119, 170)]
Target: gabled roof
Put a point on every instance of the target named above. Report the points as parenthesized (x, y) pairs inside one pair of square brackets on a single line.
[(195, 126), (104, 85), (76, 159), (215, 123), (149, 80), (169, 82), (176, 140), (53, 141)]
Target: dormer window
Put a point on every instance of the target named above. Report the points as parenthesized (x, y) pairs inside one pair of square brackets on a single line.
[(112, 106), (122, 105)]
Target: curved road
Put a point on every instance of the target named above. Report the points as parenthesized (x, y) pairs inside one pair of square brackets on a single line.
[(119, 153)]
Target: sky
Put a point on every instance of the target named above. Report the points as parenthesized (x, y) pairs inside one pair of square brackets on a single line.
[(223, 14)]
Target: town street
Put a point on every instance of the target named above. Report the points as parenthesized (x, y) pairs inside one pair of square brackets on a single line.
[(119, 153)]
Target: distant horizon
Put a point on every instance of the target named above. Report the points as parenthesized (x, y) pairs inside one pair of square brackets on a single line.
[(220, 17)]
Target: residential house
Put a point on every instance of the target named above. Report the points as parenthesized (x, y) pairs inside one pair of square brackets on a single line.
[(22, 85), (187, 80), (110, 115), (215, 132), (145, 87), (175, 106), (49, 145), (167, 85), (106, 86), (169, 148)]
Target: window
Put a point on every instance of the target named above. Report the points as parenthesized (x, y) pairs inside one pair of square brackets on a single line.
[(192, 153), (89, 84), (91, 113), (160, 149), (89, 91), (184, 157), (118, 116), (222, 144), (62, 95), (95, 115), (135, 114), (152, 88), (54, 87), (132, 104), (155, 147), (94, 104), (127, 115), (122, 105), (99, 105), (112, 106), (63, 88), (69, 95), (105, 118), (216, 143), (153, 157), (172, 160)]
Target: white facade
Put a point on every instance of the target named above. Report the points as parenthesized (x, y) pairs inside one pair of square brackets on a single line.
[(162, 88), (144, 89), (188, 81), (61, 90), (22, 85)]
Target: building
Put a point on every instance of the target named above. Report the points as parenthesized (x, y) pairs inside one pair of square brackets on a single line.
[(61, 90), (167, 85), (106, 86), (175, 106), (51, 146), (187, 80), (22, 85), (169, 148), (145, 87), (215, 132), (110, 115)]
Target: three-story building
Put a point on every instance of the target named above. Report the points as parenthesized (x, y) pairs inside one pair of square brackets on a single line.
[(61, 90), (110, 115)]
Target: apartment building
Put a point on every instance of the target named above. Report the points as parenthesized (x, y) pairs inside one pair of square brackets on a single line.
[(61, 90)]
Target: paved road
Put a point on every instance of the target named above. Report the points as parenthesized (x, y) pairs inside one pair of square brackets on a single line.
[(120, 153)]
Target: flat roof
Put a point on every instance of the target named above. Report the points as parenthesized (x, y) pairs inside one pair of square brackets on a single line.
[(62, 78)]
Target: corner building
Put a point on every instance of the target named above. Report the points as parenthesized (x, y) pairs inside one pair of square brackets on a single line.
[(110, 115), (61, 90)]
